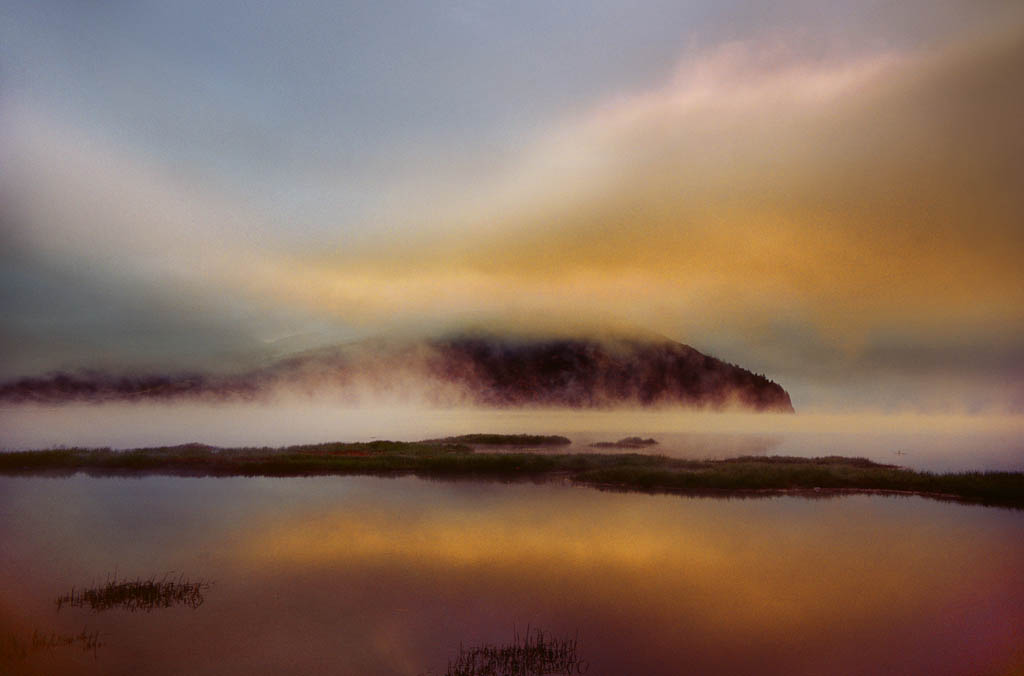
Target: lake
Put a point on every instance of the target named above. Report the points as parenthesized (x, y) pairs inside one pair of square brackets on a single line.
[(367, 576)]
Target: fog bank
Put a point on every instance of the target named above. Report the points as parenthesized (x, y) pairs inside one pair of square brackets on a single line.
[(935, 442)]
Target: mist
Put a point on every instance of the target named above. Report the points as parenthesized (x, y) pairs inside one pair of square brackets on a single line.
[(921, 441)]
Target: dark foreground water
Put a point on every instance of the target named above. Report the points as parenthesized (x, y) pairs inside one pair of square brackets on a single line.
[(365, 576)]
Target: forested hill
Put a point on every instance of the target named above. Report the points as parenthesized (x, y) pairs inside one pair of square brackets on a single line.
[(481, 369)]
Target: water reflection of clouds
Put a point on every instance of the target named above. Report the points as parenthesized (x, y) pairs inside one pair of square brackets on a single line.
[(784, 565), (388, 576)]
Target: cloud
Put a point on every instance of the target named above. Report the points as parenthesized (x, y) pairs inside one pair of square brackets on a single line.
[(761, 194), (850, 195)]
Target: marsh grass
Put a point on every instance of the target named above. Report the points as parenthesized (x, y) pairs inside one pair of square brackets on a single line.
[(532, 654), (821, 474), (628, 442), (505, 440), (12, 647), (441, 458), (137, 595)]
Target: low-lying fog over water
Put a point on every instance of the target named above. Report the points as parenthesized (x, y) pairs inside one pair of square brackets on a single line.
[(372, 576), (932, 442)]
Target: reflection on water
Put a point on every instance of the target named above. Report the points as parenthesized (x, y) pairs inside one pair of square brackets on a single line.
[(932, 442), (14, 648), (362, 575)]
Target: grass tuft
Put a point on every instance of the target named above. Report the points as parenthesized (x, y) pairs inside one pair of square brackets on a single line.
[(135, 595), (531, 654)]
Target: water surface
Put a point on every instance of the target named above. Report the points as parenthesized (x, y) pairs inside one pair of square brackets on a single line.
[(361, 575)]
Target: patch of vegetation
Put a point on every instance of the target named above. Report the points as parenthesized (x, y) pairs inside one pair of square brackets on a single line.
[(532, 654), (505, 440), (628, 442), (626, 471), (13, 647), (137, 594)]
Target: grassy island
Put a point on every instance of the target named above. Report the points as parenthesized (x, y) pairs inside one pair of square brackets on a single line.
[(454, 459)]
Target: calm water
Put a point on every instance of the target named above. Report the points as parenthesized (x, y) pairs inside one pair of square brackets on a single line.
[(933, 442), (365, 576)]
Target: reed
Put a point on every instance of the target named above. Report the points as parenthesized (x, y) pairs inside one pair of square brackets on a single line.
[(137, 595), (13, 647), (532, 654)]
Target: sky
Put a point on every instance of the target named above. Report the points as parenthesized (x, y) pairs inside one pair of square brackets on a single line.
[(830, 193)]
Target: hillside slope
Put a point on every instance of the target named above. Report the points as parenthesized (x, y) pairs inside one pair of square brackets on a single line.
[(481, 369)]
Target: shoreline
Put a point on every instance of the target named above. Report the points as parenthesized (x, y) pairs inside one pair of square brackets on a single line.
[(452, 458)]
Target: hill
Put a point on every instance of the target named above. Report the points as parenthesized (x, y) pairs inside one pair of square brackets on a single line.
[(480, 369)]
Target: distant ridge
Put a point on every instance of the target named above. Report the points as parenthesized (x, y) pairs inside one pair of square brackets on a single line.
[(478, 368)]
